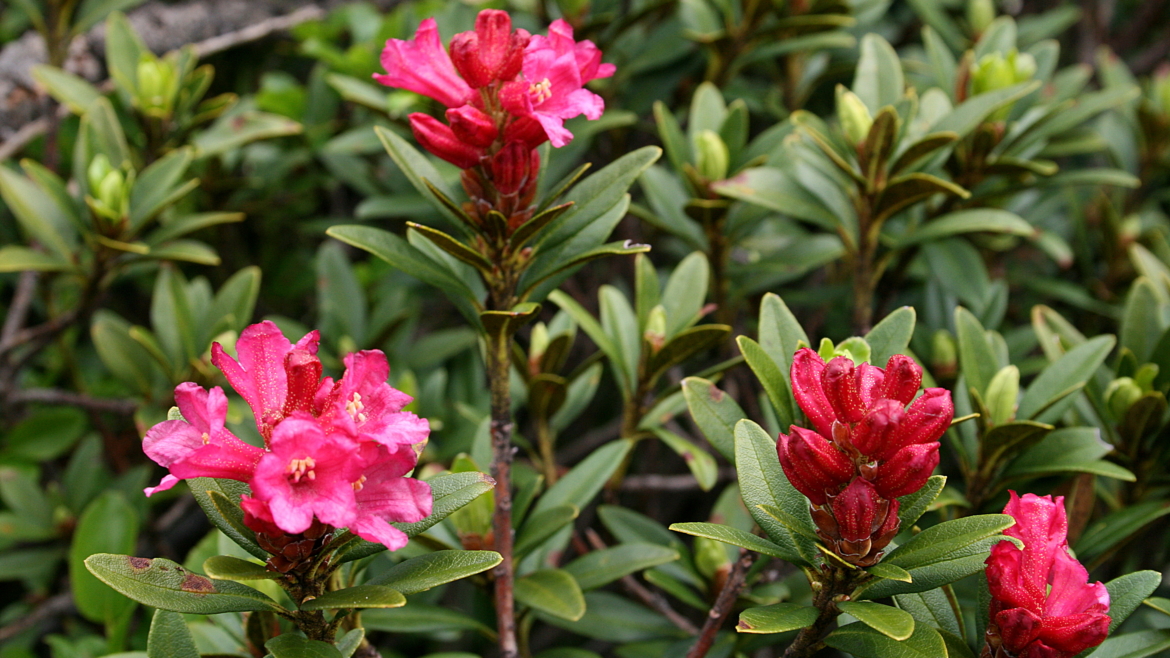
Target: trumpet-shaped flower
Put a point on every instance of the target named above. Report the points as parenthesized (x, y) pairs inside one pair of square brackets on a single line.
[(1042, 605), (422, 65)]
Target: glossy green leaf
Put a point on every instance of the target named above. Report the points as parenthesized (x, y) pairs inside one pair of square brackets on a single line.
[(38, 214), (909, 189), (986, 220), (229, 518), (699, 462), (1068, 372), (553, 592), (891, 572), (923, 147), (14, 258), (158, 186), (948, 540), (971, 112), (772, 378), (887, 620), (421, 617), (684, 345), (109, 523), (542, 525), (169, 637), (733, 536), (584, 481), (1138, 644), (777, 618), (425, 572), (762, 482), (863, 641), (891, 336), (1068, 449), (976, 358), (878, 80), (507, 323), (358, 596), (295, 645), (226, 567), (166, 585), (66, 88), (231, 131), (715, 412), (601, 567)]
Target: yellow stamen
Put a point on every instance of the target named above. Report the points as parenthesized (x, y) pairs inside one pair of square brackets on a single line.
[(302, 468), (541, 91)]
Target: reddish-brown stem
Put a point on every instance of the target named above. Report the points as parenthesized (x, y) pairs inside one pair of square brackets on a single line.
[(723, 605), (501, 432)]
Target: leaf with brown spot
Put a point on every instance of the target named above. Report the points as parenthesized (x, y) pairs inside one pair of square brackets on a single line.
[(163, 584)]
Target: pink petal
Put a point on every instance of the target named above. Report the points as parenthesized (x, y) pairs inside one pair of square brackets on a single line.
[(422, 65), (168, 481)]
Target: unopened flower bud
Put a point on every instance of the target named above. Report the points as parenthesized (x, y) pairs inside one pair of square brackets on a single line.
[(655, 334), (710, 557), (156, 90), (902, 380), (944, 355), (538, 341), (712, 155), (98, 168), (996, 71), (853, 114), (1120, 396), (438, 138), (980, 14), (856, 510), (472, 125), (907, 470), (813, 464), (840, 384), (512, 167), (492, 53), (1002, 395)]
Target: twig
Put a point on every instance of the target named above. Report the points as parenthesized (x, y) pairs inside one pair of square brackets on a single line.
[(258, 31), (684, 482), (53, 606), (26, 286), (55, 396), (652, 599), (723, 605)]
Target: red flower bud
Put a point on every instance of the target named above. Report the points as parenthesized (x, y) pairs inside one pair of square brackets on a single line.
[(472, 126), (879, 427), (492, 52), (511, 168), (869, 383), (813, 464), (903, 377), (857, 511), (438, 138), (303, 371), (527, 130), (840, 383), (907, 470), (925, 422), (1018, 627), (807, 368)]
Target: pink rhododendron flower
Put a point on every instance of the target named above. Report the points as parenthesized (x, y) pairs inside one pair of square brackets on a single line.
[(337, 451), (199, 446), (1042, 604), (867, 448), (422, 65)]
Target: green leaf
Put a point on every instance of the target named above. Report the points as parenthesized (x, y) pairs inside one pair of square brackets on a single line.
[(542, 525), (715, 412), (226, 567), (778, 618), (933, 607), (948, 540), (1118, 526), (887, 620), (425, 572), (971, 112), (1004, 441), (1127, 592), (685, 292), (678, 149), (989, 220), (186, 224), (42, 218), (612, 618), (532, 227), (909, 189), (733, 536), (976, 358), (579, 486), (604, 566), (891, 572), (507, 323), (349, 643), (890, 336), (762, 482), (863, 641), (233, 130), (295, 645), (619, 248), (21, 259), (158, 186), (553, 592), (169, 637), (70, 90), (103, 133), (683, 346), (124, 50), (667, 196), (1069, 449), (187, 251), (421, 617), (109, 523), (922, 148), (772, 378), (226, 515), (91, 12), (700, 462), (166, 585), (1141, 322), (358, 596), (878, 81), (1138, 644), (1068, 372), (775, 189), (453, 247)]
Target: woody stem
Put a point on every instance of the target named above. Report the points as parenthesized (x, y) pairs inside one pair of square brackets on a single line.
[(837, 581), (498, 367)]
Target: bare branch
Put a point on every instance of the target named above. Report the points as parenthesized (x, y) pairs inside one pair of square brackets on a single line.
[(69, 398)]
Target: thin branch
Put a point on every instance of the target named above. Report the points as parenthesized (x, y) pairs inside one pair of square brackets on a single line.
[(723, 605), (55, 396), (51, 607), (261, 30), (684, 482), (26, 287), (654, 600)]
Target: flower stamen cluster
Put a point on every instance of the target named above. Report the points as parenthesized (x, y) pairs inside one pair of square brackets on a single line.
[(867, 448), (336, 453)]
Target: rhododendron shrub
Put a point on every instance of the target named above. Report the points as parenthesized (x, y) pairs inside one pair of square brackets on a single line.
[(1042, 605), (336, 452)]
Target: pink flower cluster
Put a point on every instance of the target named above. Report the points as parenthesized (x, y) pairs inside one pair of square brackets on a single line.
[(866, 448), (504, 89), (1042, 605), (335, 451)]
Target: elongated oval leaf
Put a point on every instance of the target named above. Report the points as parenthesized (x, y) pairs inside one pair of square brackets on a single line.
[(733, 536), (887, 620), (602, 567), (762, 482), (226, 567), (778, 618), (553, 592), (428, 571), (715, 412), (358, 596), (166, 585)]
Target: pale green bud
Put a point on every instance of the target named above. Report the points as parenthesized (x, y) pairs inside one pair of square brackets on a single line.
[(712, 155), (853, 114), (538, 341), (980, 14), (710, 557), (998, 71), (944, 355), (856, 349), (1002, 394), (655, 333), (98, 168), (1145, 375), (1120, 396), (156, 86)]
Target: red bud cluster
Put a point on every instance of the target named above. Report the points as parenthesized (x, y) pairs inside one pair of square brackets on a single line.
[(866, 448)]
